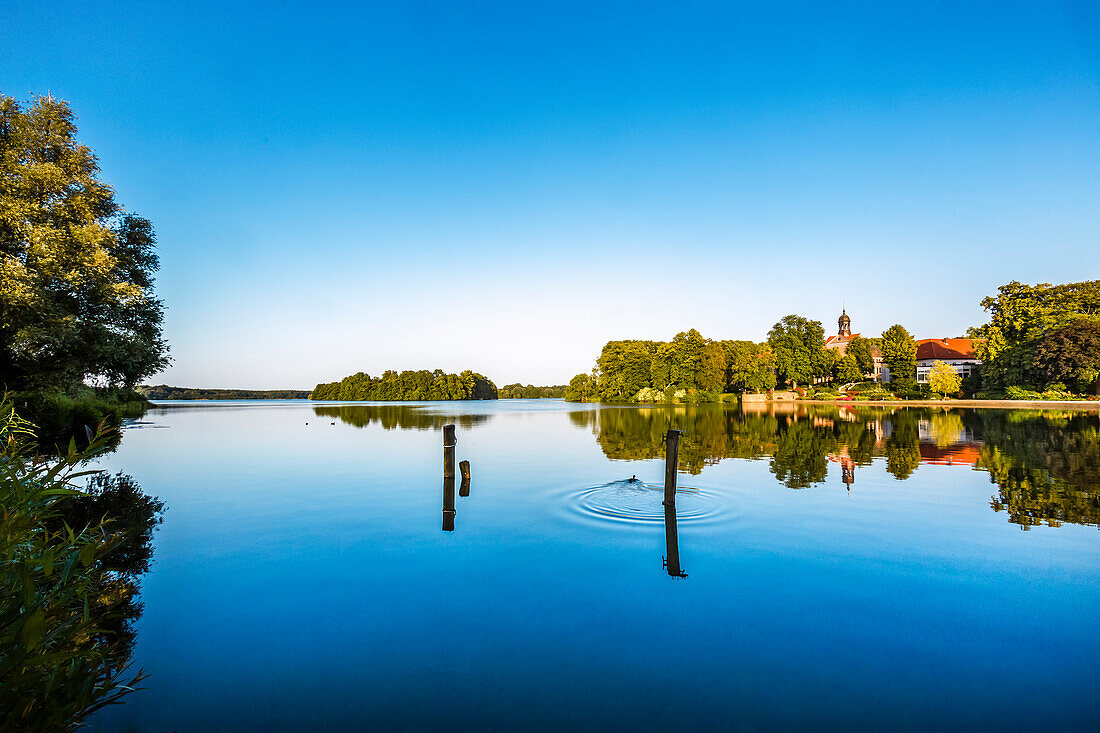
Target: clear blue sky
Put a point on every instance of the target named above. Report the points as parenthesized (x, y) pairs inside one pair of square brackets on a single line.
[(506, 186)]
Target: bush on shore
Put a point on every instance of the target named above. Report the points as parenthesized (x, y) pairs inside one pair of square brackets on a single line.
[(69, 562), (61, 416)]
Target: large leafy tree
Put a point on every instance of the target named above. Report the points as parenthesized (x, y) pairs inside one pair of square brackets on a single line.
[(899, 353), (799, 347), (862, 352), (847, 369), (1019, 316), (624, 368), (750, 367), (1071, 355), (76, 271)]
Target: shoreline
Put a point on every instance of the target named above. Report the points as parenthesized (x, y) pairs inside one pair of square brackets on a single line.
[(998, 404)]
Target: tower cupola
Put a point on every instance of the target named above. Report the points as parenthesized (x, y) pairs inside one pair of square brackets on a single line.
[(845, 324)]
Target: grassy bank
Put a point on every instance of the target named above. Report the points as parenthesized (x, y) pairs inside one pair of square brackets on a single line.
[(1002, 404), (61, 415)]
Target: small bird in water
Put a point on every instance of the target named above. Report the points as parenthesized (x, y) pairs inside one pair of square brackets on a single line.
[(633, 479), (332, 423)]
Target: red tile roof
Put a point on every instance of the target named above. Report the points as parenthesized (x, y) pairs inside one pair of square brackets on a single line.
[(836, 339), (945, 349)]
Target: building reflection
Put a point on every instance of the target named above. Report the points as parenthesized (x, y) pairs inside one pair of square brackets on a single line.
[(1046, 464)]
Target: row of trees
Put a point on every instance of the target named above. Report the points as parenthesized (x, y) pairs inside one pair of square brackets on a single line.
[(408, 385), (1041, 336), (690, 366), (530, 392), (164, 392), (694, 368)]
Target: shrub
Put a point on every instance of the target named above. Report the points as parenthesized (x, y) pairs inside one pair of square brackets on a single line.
[(65, 640)]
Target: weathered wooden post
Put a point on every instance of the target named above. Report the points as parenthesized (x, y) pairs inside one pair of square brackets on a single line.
[(464, 468), (448, 451), (672, 453)]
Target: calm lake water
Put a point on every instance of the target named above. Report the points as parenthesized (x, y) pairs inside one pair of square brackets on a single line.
[(845, 569)]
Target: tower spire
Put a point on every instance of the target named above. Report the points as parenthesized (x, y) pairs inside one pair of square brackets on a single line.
[(844, 323)]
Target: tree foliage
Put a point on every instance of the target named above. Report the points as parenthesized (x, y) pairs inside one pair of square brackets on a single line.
[(164, 392), (688, 368), (899, 352), (1071, 355), (799, 347), (1020, 316), (408, 385), (530, 392), (863, 355), (943, 379), (69, 562), (76, 271)]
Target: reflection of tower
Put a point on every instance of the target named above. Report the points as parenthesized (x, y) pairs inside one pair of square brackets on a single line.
[(672, 543), (845, 324), (848, 472)]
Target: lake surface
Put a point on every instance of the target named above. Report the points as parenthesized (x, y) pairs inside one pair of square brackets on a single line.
[(845, 569)]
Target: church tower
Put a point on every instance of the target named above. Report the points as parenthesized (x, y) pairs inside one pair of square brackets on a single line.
[(845, 324)]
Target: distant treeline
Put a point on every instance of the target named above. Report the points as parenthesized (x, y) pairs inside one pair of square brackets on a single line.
[(164, 392), (528, 392), (408, 385)]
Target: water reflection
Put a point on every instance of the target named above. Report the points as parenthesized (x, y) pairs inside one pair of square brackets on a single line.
[(397, 415), (672, 543), (1046, 464), (448, 503)]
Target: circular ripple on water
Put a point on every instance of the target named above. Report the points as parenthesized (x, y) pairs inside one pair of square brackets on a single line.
[(635, 501)]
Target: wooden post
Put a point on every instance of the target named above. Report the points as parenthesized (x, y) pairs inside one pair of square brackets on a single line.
[(672, 453), (448, 451), (464, 469)]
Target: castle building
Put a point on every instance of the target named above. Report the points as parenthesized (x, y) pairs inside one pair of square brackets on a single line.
[(844, 336)]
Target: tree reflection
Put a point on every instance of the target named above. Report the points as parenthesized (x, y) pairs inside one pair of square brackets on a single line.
[(1046, 464), (397, 416)]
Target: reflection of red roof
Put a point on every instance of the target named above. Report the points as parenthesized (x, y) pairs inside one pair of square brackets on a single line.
[(945, 349), (960, 454)]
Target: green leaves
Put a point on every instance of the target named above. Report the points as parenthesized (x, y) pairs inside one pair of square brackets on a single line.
[(899, 352), (408, 385), (76, 274), (64, 639), (799, 346)]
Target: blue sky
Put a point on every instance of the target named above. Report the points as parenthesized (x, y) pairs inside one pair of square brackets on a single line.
[(505, 186)]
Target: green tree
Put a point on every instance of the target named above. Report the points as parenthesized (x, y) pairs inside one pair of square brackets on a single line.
[(847, 369), (1020, 315), (624, 369), (943, 378), (750, 367), (899, 353), (1071, 354), (862, 352), (799, 347), (76, 271), (580, 389)]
